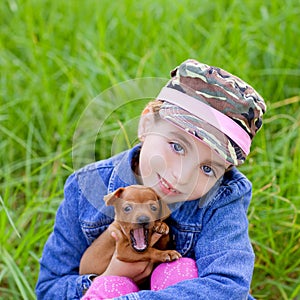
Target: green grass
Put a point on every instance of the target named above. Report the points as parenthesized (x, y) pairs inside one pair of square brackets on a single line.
[(56, 56)]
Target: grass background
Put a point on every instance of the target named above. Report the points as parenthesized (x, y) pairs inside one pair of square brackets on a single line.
[(56, 56)]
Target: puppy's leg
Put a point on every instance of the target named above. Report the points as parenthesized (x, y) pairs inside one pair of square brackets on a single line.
[(98, 255), (163, 229), (157, 255), (162, 244)]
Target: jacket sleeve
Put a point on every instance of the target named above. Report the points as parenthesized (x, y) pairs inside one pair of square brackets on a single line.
[(223, 252), (59, 278)]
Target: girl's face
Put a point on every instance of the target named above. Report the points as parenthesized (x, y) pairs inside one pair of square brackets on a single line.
[(175, 164)]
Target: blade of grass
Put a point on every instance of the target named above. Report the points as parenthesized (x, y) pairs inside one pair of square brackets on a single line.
[(20, 279)]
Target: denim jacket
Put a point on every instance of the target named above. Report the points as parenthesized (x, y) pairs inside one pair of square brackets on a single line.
[(213, 231)]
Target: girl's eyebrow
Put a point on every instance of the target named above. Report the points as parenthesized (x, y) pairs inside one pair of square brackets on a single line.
[(182, 137), (219, 166), (216, 164)]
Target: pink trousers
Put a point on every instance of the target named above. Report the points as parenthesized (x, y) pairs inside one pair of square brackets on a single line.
[(164, 275)]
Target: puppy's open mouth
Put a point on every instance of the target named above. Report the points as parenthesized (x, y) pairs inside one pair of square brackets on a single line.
[(139, 239)]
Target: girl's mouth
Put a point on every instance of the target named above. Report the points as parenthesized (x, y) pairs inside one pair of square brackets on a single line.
[(166, 187)]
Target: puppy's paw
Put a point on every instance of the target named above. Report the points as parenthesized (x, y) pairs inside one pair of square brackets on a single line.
[(161, 227), (171, 255)]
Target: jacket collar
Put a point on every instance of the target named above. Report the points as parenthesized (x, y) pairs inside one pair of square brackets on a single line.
[(123, 174)]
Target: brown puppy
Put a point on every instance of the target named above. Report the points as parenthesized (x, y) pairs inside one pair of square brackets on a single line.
[(138, 214)]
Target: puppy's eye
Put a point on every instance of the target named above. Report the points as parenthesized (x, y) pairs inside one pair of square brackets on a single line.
[(153, 207), (127, 208)]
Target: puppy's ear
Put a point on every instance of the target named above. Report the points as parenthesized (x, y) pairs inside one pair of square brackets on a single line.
[(164, 210), (111, 198)]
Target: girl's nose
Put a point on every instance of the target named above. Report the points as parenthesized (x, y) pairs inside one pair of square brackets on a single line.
[(181, 172)]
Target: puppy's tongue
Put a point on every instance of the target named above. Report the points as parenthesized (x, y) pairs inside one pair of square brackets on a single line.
[(140, 239)]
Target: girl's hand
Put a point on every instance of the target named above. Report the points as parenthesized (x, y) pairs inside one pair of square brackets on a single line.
[(137, 271)]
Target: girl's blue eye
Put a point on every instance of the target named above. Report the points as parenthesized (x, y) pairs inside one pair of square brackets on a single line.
[(208, 170), (177, 148)]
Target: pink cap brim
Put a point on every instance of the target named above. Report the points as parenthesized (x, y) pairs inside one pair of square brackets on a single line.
[(209, 114)]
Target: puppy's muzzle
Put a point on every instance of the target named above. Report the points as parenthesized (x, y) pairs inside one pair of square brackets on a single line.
[(143, 220), (139, 236)]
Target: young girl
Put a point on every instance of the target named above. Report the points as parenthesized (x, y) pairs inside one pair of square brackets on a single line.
[(193, 136)]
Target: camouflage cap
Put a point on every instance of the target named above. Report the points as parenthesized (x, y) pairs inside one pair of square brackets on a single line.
[(215, 106)]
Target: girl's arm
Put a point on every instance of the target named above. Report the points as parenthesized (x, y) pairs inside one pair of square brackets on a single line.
[(58, 278)]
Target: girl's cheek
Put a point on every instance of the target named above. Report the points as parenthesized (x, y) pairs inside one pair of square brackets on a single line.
[(200, 186), (153, 163)]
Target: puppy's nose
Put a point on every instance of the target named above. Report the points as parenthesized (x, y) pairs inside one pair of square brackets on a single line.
[(143, 220)]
